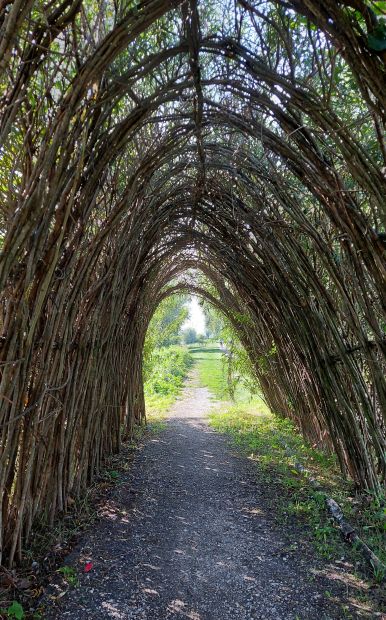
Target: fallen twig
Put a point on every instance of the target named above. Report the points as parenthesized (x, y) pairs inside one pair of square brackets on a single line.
[(348, 531)]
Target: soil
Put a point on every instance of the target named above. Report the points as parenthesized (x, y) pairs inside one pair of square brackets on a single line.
[(190, 533)]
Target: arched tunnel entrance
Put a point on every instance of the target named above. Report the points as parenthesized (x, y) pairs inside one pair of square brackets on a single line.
[(140, 141)]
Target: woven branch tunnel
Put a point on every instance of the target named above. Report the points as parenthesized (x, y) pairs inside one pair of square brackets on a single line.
[(141, 142)]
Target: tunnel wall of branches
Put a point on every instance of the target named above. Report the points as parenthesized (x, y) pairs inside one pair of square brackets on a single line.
[(141, 141)]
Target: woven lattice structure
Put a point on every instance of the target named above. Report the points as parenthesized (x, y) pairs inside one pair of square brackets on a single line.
[(244, 140)]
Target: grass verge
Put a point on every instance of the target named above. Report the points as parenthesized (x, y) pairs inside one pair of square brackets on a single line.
[(262, 436), (209, 361)]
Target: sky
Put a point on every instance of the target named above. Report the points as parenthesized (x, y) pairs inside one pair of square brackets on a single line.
[(196, 316)]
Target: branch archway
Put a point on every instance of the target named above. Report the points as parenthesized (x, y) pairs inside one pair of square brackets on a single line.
[(140, 143)]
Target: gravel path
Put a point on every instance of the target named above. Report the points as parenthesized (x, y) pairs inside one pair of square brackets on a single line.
[(186, 534)]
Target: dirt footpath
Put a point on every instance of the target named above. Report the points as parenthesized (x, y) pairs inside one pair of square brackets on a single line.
[(187, 534)]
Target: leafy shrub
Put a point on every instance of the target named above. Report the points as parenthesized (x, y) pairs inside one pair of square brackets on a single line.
[(166, 370)]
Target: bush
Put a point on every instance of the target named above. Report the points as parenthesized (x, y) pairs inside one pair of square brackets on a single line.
[(189, 335), (166, 370)]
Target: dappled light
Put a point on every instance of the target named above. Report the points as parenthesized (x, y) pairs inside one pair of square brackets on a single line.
[(150, 151), (200, 540)]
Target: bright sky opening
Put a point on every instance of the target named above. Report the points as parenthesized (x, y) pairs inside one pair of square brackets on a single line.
[(196, 318)]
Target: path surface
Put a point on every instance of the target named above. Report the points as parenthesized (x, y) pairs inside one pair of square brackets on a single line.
[(186, 535)]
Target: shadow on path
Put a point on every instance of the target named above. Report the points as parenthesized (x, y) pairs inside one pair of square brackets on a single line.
[(186, 535)]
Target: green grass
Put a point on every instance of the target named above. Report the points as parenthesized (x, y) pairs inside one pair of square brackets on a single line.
[(157, 408), (261, 435), (210, 370), (212, 373)]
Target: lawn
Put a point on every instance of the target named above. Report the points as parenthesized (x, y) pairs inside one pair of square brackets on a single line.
[(209, 361)]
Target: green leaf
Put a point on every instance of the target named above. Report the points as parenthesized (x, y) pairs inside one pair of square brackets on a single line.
[(376, 40), (15, 611), (379, 7)]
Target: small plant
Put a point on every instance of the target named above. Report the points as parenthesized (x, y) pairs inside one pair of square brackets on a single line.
[(379, 573), (15, 610), (323, 532), (69, 575), (113, 475)]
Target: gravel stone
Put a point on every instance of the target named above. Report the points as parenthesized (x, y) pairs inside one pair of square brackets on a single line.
[(187, 534)]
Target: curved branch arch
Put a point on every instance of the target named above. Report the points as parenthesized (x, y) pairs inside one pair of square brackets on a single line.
[(160, 144)]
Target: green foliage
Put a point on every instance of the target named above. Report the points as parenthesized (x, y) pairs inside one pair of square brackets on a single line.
[(263, 436), (376, 39), (166, 323), (163, 331), (263, 361), (165, 363), (168, 370), (211, 370), (165, 380), (189, 335), (378, 6), (214, 321), (15, 610), (69, 574), (240, 373), (379, 573), (237, 378)]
